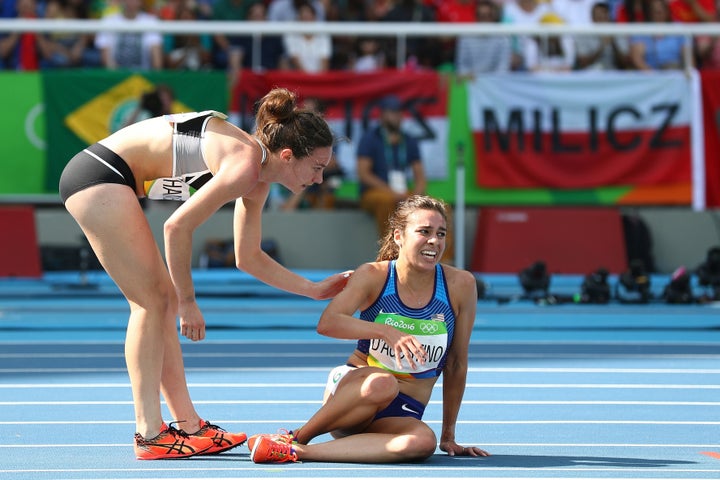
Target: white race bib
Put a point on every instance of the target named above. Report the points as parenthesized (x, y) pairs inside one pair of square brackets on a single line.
[(432, 334), (168, 189)]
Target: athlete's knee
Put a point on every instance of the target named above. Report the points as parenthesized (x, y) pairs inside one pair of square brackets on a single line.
[(418, 444), (425, 444), (380, 388), (160, 300)]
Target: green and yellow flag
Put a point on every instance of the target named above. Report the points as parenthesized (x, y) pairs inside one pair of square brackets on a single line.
[(84, 106)]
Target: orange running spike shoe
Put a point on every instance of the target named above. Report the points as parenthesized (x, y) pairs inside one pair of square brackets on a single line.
[(170, 443), (222, 440), (267, 450), (283, 436)]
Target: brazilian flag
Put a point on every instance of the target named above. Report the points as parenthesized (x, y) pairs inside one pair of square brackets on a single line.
[(84, 106)]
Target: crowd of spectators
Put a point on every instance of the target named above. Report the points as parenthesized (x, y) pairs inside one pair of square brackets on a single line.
[(469, 56)]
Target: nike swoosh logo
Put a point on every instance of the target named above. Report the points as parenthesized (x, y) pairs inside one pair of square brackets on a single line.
[(408, 409)]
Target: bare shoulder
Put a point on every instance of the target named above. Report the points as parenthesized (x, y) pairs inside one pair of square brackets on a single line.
[(458, 277), (363, 288), (371, 272), (235, 158), (369, 277), (461, 283), (225, 139)]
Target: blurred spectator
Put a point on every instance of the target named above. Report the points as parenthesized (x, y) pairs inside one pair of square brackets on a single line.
[(522, 12), (345, 11), (390, 168), (453, 11), (549, 53), (232, 10), (235, 52), (205, 9), (168, 9), (631, 11), (369, 57), (423, 52), (377, 10), (386, 156), (708, 53), (271, 47), (599, 52), (152, 104), (574, 12), (628, 11), (697, 11), (693, 11), (344, 46), (484, 53), (288, 10), (63, 50), (307, 52), (227, 50), (132, 50), (658, 52), (8, 9), (187, 51), (19, 50)]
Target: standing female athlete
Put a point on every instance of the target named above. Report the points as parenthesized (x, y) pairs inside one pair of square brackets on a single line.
[(206, 162), (415, 320)]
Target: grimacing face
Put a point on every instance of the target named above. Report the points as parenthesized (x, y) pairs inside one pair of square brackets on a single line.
[(423, 240)]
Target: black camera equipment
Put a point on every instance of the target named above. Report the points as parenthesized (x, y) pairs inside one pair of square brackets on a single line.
[(595, 287), (634, 284), (679, 290)]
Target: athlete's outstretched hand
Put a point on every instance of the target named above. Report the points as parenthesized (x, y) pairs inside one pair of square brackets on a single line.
[(192, 322), (331, 286), (454, 449)]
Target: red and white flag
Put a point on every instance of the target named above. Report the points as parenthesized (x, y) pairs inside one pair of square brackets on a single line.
[(586, 130)]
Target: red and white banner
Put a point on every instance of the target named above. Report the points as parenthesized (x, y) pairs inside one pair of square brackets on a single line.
[(581, 131), (351, 105)]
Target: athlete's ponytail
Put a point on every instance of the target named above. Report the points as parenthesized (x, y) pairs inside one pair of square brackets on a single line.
[(281, 124)]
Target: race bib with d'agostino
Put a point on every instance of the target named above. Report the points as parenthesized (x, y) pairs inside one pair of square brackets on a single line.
[(432, 334)]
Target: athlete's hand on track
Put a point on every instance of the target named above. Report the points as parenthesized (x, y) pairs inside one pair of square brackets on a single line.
[(453, 449)]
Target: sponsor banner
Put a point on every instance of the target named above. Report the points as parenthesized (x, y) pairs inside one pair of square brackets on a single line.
[(22, 149), (710, 82), (84, 106), (351, 106), (608, 129)]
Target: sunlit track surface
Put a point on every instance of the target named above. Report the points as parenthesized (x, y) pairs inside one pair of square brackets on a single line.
[(568, 392)]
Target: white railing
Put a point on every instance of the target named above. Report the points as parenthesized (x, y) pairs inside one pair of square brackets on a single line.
[(386, 29), (399, 30)]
